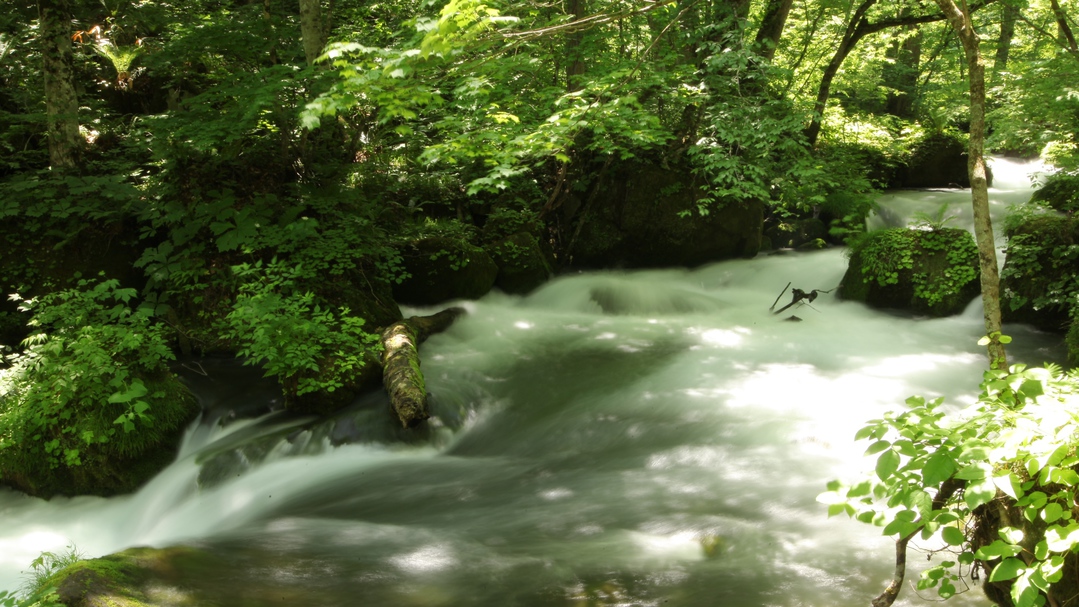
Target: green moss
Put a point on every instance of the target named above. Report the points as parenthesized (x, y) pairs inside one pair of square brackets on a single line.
[(132, 578), (1040, 279), (1061, 191), (119, 465), (933, 272)]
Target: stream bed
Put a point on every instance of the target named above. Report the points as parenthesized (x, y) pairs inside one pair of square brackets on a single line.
[(614, 438)]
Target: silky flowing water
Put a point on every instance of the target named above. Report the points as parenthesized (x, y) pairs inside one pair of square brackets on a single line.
[(614, 438)]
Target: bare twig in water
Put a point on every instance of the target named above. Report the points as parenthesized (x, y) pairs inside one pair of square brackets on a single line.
[(780, 297)]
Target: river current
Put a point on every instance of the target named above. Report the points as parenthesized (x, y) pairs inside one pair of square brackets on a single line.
[(614, 438)]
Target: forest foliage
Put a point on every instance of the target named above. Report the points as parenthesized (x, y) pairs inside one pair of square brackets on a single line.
[(250, 175)]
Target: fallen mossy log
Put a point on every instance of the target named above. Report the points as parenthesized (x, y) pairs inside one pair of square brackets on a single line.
[(401, 374)]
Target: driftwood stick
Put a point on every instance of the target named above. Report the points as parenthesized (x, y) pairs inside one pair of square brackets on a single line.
[(780, 296), (401, 374)]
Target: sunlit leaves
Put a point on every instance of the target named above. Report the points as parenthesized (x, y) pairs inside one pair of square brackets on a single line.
[(938, 473)]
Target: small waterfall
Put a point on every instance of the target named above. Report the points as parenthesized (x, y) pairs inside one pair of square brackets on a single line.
[(631, 438)]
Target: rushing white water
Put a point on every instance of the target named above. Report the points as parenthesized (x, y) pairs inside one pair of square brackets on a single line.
[(589, 440)]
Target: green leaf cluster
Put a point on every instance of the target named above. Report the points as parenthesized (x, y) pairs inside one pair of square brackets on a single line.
[(995, 483), (92, 385), (305, 344)]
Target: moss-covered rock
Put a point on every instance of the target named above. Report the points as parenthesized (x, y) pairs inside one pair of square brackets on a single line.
[(522, 264), (934, 273), (122, 464), (794, 233), (443, 268), (1071, 341), (32, 264), (646, 215), (938, 160), (1040, 278), (136, 577), (1060, 191)]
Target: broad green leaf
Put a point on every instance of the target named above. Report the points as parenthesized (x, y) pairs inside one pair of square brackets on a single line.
[(1024, 594), (877, 447), (938, 468), (136, 390), (953, 536), (1009, 484), (978, 493), (1011, 535), (887, 464), (997, 550), (1062, 539), (1052, 512), (971, 473), (1008, 569)]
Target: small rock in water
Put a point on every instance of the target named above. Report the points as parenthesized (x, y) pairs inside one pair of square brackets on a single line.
[(713, 545)]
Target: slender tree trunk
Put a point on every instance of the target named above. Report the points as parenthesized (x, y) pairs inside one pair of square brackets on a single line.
[(979, 190), (857, 28), (312, 30), (850, 38), (1009, 14), (902, 76), (771, 31), (267, 18), (575, 69), (1063, 27), (61, 102)]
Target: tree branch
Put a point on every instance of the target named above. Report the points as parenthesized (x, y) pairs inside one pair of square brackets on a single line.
[(587, 22), (886, 598)]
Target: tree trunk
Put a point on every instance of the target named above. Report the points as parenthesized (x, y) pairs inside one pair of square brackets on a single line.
[(61, 102), (574, 53), (979, 189), (771, 31), (901, 77), (312, 30), (850, 38), (1062, 26), (401, 374), (1009, 14), (857, 28)]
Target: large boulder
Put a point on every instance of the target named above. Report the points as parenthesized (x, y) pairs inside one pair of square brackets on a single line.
[(646, 215), (1040, 276), (119, 465), (136, 577), (522, 263), (928, 272), (441, 268), (938, 160), (1060, 191), (796, 233)]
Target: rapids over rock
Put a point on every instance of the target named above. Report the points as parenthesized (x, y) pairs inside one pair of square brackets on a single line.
[(613, 438)]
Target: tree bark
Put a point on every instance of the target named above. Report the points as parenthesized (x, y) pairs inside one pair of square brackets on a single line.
[(1063, 27), (576, 67), (771, 30), (979, 189), (1009, 14), (401, 374), (858, 28), (311, 29), (901, 77), (61, 101)]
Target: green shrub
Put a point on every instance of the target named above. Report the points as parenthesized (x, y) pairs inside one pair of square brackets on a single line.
[(299, 340), (89, 403), (996, 483), (1060, 191)]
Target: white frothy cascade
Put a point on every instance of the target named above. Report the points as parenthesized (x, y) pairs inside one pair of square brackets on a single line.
[(615, 424)]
